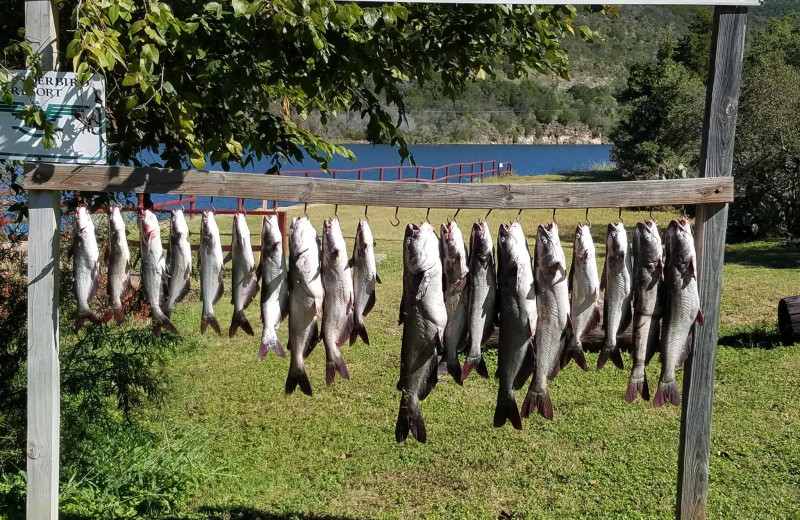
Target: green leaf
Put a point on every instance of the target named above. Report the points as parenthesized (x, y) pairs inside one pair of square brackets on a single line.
[(371, 17), (113, 13), (197, 159), (132, 102)]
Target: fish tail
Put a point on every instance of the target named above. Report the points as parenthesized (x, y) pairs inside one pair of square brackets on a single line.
[(610, 352), (240, 321), (298, 376), (334, 363), (359, 331), (270, 342), (409, 419), (667, 393), (474, 363), (637, 385), (574, 350), (117, 314), (82, 317), (209, 320), (165, 322), (506, 410), (452, 367), (539, 401)]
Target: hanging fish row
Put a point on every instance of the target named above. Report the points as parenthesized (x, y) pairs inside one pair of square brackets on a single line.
[(451, 303), (310, 289)]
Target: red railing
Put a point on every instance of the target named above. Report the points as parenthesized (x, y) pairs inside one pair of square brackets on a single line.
[(466, 172)]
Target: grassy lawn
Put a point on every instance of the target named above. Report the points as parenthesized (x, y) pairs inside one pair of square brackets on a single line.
[(334, 455)]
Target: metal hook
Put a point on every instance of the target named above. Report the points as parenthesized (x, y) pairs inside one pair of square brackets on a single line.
[(651, 214), (587, 218), (305, 209), (684, 212), (365, 213), (396, 218), (620, 215), (487, 214), (211, 205), (519, 214), (554, 216), (427, 216), (336, 211), (456, 214), (180, 202)]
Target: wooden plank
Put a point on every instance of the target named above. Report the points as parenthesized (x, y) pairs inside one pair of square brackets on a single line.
[(722, 99), (41, 31), (43, 367), (789, 320), (376, 193)]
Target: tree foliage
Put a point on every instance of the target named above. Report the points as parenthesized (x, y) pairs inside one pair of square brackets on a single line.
[(233, 81)]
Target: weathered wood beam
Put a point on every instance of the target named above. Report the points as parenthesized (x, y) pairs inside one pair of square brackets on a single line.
[(561, 195), (740, 3), (722, 103)]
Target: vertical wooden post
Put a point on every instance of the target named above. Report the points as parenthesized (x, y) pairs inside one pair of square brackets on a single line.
[(44, 238), (44, 395), (719, 129)]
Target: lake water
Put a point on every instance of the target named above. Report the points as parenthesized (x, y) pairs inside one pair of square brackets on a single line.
[(525, 159)]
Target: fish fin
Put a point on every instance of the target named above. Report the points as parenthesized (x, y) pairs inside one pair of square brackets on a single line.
[(462, 284), (359, 330), (370, 303), (334, 363), (692, 269), (272, 344), (700, 320), (526, 369), (451, 367), (571, 273), (240, 321), (164, 322), (627, 317), (409, 420), (423, 287), (108, 315), (251, 291), (570, 323), (227, 257), (477, 364), (378, 278), (209, 320), (574, 350), (487, 334), (184, 291), (686, 352), (611, 353), (593, 322), (119, 316), (95, 280), (297, 377), (439, 340), (351, 263), (636, 387), (667, 393), (555, 370), (402, 315), (539, 401), (433, 378), (347, 330), (220, 289), (603, 276), (81, 318), (312, 342), (506, 410)]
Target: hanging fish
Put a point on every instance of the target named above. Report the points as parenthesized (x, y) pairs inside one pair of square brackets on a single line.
[(179, 260), (118, 260), (552, 303), (365, 275), (648, 272), (305, 300), (456, 297), (337, 305), (424, 318), (516, 295), (616, 281), (86, 266), (681, 311), (244, 275), (274, 286), (584, 286), (209, 261), (154, 271), (482, 298)]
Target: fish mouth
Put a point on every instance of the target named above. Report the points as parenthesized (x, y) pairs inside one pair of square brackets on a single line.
[(412, 230)]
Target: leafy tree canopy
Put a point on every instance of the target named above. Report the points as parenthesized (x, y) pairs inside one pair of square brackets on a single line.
[(231, 80)]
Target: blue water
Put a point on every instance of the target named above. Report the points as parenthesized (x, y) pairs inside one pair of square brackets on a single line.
[(525, 160)]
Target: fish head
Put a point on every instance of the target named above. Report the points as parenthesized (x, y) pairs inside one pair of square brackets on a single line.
[(647, 241), (177, 224), (511, 242), (616, 239), (241, 232), (548, 247), (148, 226), (302, 237), (270, 231), (454, 255), (583, 245), (83, 221), (680, 241), (420, 247), (480, 239), (332, 239), (364, 239)]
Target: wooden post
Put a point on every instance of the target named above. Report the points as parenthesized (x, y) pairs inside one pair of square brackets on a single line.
[(44, 239), (43, 368), (719, 129)]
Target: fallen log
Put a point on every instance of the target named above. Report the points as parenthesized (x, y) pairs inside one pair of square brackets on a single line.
[(789, 320)]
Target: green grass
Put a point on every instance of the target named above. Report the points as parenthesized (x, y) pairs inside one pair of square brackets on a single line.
[(334, 455)]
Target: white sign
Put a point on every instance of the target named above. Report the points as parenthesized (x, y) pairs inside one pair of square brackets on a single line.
[(75, 110)]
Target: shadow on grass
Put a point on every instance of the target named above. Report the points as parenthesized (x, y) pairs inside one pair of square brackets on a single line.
[(231, 513), (761, 336), (773, 256)]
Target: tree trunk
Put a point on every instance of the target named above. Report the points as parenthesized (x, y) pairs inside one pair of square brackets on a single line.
[(789, 320)]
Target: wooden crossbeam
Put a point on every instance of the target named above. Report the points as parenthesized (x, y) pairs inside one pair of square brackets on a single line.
[(559, 195)]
